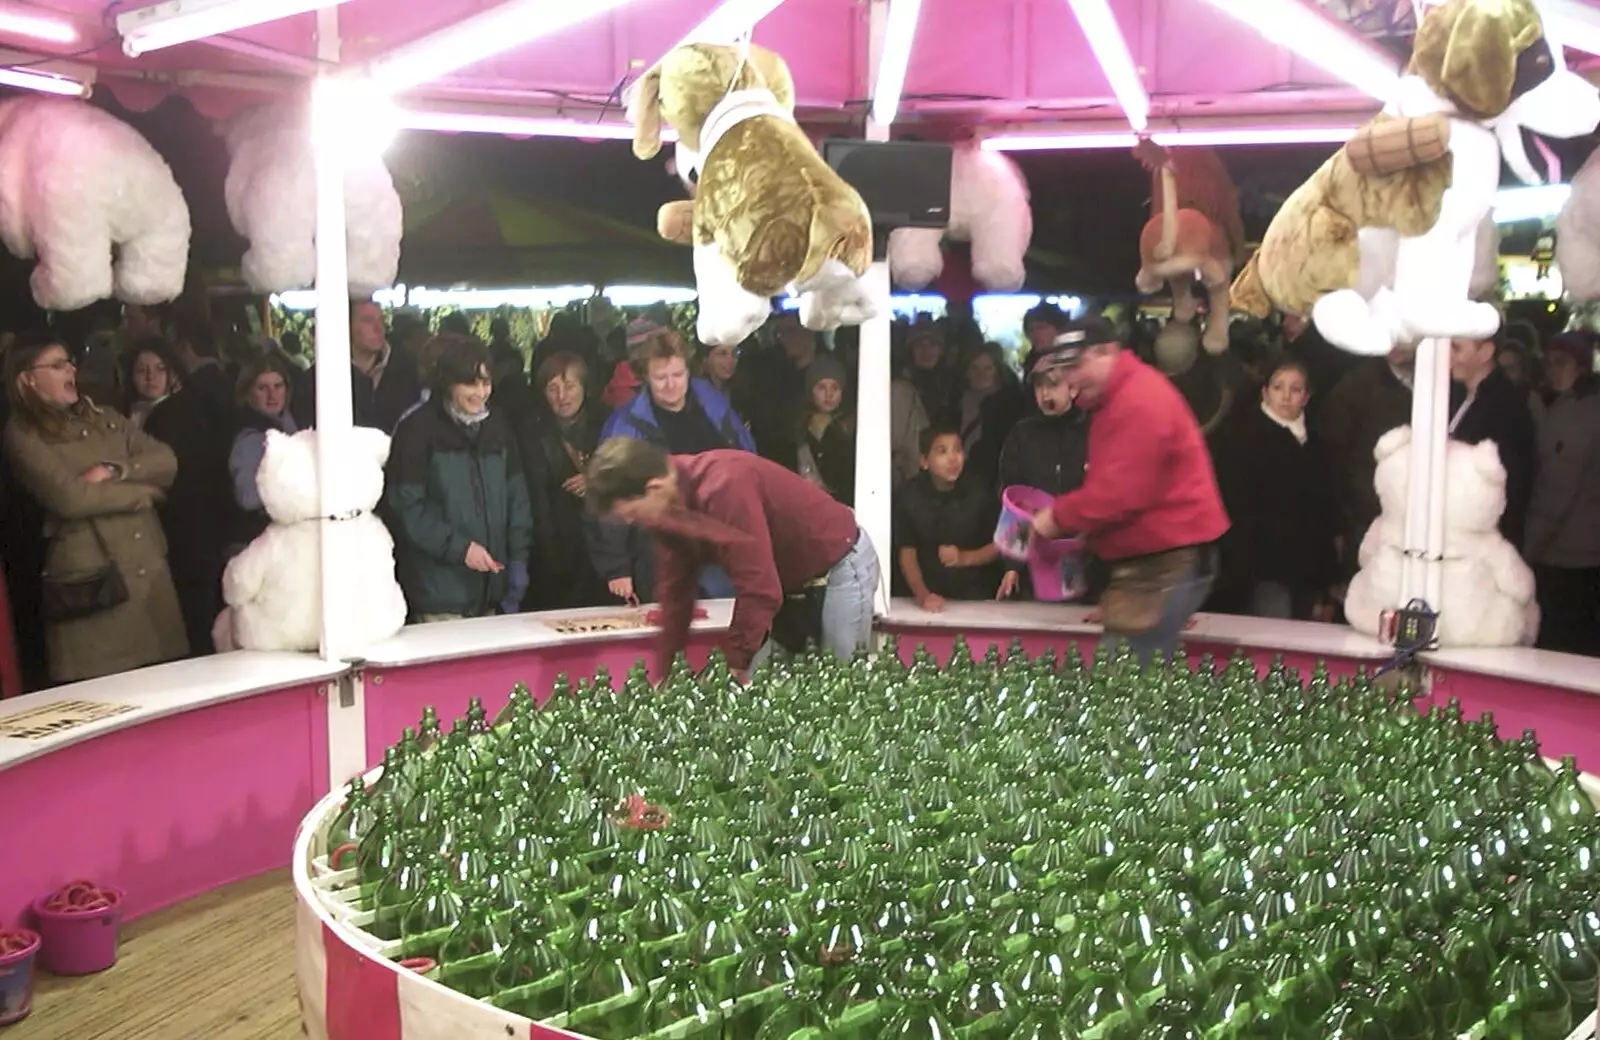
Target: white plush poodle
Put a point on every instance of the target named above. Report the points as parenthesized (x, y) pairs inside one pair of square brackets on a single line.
[(1488, 590), (1578, 234), (274, 587), (272, 202), (988, 208), (88, 196)]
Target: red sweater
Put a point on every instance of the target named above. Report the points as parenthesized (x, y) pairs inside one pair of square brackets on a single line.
[(1148, 485), (770, 529)]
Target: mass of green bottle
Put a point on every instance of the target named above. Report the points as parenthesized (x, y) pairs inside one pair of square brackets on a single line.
[(986, 849)]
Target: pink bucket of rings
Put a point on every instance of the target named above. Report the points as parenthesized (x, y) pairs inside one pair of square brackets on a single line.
[(1014, 530), (80, 924), (19, 950), (1056, 569)]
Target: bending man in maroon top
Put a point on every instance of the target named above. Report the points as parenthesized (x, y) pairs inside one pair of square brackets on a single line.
[(775, 533)]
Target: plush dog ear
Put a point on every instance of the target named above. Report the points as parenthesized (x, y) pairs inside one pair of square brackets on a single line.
[(1467, 51), (644, 112)]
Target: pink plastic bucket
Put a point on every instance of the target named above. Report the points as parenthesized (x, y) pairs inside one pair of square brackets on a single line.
[(1015, 528), (16, 980), (78, 943), (1056, 569)]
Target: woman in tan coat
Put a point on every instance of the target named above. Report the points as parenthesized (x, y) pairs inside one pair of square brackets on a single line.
[(92, 470)]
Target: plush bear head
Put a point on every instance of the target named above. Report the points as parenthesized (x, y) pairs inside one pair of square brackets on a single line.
[(688, 83), (1473, 475), (287, 479)]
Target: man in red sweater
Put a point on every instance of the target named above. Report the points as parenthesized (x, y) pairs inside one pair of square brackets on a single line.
[(775, 533), (1149, 503)]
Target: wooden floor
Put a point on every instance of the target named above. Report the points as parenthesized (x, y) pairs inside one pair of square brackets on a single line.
[(218, 967)]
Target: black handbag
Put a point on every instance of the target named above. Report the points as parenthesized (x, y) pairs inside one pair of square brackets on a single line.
[(798, 624), (68, 599)]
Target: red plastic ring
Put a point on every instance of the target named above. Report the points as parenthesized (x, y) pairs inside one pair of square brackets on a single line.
[(418, 964)]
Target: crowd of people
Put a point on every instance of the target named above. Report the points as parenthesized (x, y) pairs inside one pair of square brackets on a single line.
[(129, 469)]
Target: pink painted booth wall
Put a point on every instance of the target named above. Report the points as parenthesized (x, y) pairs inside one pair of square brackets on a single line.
[(1567, 721), (168, 809), (397, 695)]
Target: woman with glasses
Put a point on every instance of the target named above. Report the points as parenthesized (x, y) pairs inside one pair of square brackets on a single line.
[(109, 602)]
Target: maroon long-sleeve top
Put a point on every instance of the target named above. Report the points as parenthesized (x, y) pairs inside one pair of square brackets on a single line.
[(770, 529)]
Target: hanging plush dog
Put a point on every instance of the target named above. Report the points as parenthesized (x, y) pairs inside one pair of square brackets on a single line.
[(768, 215), (1194, 230), (1379, 246)]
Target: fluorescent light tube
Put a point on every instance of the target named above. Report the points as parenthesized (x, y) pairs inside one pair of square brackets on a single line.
[(1116, 61), (899, 33), (481, 36), (1207, 137), (1318, 39), (17, 22), (730, 21), (184, 21), (512, 125), (22, 79)]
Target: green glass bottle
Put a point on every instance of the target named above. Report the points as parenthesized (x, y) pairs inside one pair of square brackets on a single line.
[(982, 1006), (768, 963), (798, 1015), (532, 978), (1103, 1004), (1529, 1001), (916, 1014), (471, 952), (683, 1003), (608, 986), (1564, 954)]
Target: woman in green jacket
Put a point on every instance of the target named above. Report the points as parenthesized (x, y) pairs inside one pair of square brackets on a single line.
[(457, 500)]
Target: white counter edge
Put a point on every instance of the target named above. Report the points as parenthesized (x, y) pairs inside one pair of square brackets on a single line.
[(170, 689), (1295, 636), (164, 690), (516, 633)]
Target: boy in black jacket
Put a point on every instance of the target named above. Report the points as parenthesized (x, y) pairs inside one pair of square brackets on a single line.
[(944, 527)]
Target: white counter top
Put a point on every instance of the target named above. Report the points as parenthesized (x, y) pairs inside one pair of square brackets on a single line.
[(1568, 671), (163, 690), (512, 633), (1306, 637)]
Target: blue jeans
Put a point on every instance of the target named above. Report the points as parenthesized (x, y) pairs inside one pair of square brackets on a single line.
[(1185, 598), (715, 583), (847, 607)]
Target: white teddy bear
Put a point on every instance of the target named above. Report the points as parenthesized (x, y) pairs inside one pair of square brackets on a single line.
[(988, 208), (89, 197), (1578, 234), (274, 587), (1487, 589), (272, 201)]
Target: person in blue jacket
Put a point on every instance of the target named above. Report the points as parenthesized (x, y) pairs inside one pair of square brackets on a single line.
[(457, 497), (681, 414)]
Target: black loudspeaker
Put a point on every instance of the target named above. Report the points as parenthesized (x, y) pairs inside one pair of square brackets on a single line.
[(904, 183)]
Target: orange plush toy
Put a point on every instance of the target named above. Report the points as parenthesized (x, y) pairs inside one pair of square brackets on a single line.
[(1194, 230)]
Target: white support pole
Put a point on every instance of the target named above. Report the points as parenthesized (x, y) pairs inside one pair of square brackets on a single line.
[(329, 113), (1425, 424), (874, 373), (1438, 443), (332, 111)]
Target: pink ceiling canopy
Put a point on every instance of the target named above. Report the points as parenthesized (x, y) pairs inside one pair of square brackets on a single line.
[(973, 62)]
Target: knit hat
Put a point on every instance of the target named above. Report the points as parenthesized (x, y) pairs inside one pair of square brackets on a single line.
[(1578, 344), (825, 366), (641, 329)]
